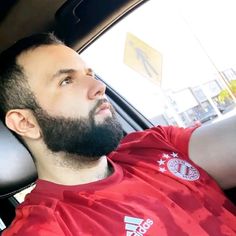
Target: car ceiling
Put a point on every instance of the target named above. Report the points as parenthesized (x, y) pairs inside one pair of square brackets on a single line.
[(20, 18)]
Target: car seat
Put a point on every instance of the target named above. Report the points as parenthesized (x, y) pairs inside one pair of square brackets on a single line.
[(17, 171)]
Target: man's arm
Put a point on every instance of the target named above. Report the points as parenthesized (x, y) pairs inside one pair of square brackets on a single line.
[(213, 147)]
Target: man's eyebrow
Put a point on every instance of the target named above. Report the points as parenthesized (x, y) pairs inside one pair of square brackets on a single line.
[(63, 71)]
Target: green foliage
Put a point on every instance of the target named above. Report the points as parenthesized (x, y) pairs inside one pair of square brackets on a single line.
[(223, 96), (233, 86)]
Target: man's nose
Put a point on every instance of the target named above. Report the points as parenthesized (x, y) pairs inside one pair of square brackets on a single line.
[(97, 89)]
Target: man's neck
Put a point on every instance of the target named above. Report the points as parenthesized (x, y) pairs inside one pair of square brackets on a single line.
[(67, 172)]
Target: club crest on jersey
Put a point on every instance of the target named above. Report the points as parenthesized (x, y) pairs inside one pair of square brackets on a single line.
[(178, 167)]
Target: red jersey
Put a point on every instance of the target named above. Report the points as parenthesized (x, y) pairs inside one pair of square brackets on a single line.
[(155, 190)]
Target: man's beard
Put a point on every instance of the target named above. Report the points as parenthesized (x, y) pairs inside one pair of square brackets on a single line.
[(82, 137)]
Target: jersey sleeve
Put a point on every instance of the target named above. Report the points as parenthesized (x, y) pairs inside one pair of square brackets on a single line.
[(179, 137), (34, 220)]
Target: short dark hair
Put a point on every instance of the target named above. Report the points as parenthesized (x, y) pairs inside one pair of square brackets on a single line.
[(14, 89)]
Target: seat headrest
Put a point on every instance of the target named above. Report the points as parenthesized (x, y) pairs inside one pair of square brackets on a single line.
[(17, 169)]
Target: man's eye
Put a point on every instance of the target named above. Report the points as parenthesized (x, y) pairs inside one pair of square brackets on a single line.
[(66, 81)]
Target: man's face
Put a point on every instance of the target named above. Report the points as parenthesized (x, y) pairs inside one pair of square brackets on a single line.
[(73, 114)]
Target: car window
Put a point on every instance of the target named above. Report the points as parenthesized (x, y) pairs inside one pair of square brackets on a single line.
[(175, 62), (21, 195), (2, 225)]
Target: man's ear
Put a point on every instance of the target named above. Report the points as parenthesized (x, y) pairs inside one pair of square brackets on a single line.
[(22, 122)]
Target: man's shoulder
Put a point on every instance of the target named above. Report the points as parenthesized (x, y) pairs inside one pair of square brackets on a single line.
[(158, 130), (158, 133), (153, 141), (142, 133), (37, 220)]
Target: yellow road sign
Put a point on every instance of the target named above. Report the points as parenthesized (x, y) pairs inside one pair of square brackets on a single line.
[(142, 58)]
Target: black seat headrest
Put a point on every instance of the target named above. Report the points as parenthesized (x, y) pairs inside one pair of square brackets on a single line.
[(17, 169)]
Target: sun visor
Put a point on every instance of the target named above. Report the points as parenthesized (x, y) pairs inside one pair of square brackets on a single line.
[(83, 20)]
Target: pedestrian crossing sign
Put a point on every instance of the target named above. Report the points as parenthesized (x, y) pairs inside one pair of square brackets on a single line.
[(142, 58)]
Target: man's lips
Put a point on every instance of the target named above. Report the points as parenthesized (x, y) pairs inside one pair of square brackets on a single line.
[(104, 108)]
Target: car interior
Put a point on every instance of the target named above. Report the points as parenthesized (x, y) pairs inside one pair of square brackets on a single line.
[(78, 23)]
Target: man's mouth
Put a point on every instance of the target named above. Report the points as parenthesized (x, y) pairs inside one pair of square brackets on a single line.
[(105, 108)]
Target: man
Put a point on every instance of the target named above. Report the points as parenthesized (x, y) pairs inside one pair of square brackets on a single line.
[(151, 183)]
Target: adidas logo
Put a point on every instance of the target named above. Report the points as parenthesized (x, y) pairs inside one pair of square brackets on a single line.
[(136, 226)]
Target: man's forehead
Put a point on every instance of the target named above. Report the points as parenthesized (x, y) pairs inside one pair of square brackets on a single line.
[(48, 58)]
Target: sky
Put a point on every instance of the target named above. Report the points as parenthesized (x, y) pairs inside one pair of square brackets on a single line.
[(213, 22)]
